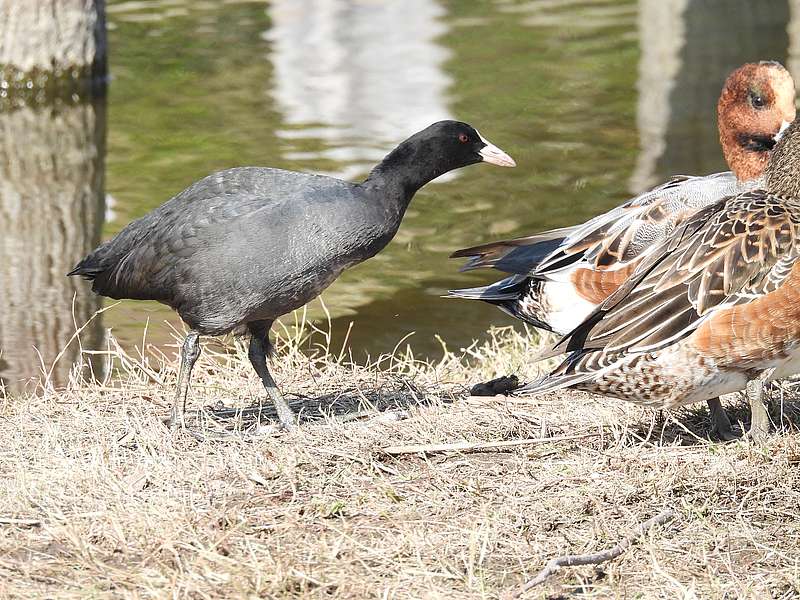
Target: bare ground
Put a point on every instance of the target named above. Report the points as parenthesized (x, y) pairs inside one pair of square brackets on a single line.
[(98, 500)]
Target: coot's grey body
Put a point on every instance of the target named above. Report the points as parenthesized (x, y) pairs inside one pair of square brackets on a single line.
[(244, 246), (230, 249)]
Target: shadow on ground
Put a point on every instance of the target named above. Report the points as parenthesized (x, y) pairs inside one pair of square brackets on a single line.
[(692, 425), (343, 405)]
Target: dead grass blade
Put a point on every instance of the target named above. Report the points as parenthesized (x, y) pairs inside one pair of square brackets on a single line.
[(481, 446), (20, 522), (96, 498)]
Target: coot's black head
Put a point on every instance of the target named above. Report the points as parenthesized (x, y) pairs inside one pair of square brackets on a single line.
[(435, 150), (453, 144)]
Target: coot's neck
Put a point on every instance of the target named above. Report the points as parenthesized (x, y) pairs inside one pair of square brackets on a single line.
[(396, 179)]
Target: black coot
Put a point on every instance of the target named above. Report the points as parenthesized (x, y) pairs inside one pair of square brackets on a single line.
[(244, 246)]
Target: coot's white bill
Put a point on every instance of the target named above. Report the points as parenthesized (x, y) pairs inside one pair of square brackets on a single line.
[(493, 154)]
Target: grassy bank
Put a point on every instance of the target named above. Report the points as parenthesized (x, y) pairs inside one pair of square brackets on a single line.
[(97, 500)]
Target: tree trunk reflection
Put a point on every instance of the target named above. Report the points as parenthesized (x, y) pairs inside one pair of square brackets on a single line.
[(51, 210), (688, 48)]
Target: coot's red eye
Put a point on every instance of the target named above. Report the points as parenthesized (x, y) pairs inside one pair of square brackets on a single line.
[(463, 138)]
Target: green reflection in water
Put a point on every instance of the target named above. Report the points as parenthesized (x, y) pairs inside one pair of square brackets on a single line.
[(191, 95)]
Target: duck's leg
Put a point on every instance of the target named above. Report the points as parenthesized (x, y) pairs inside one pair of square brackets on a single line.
[(189, 353), (759, 418), (259, 348), (720, 423)]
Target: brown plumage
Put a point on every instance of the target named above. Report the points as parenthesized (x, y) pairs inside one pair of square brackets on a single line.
[(595, 286), (752, 83)]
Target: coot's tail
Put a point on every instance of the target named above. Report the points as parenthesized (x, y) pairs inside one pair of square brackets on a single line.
[(124, 267), (103, 267), (90, 266)]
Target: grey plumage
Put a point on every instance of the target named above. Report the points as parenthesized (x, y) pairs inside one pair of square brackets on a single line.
[(243, 244)]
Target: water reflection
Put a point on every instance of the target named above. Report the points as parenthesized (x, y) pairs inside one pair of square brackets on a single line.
[(330, 86), (688, 47), (51, 204), (358, 75)]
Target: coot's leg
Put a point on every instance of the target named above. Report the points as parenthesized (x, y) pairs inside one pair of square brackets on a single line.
[(189, 353), (720, 424), (259, 347), (759, 418)]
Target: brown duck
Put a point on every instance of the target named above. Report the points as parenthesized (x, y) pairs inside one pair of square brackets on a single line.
[(712, 309)]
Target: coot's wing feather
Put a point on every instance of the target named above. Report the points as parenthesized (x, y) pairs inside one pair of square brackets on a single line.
[(146, 257)]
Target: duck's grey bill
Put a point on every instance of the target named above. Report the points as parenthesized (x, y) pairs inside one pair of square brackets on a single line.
[(492, 154)]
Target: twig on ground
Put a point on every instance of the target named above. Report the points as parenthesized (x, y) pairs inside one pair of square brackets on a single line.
[(21, 522), (574, 560), (480, 446)]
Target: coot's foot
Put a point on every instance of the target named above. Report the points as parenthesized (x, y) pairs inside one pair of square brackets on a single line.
[(176, 426)]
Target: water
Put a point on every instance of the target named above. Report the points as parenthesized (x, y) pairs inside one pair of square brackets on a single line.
[(594, 99)]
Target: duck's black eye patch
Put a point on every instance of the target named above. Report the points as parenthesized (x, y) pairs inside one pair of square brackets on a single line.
[(756, 143), (463, 138)]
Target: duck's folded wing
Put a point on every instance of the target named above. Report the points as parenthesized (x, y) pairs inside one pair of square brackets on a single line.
[(729, 253), (610, 241), (595, 241), (628, 233)]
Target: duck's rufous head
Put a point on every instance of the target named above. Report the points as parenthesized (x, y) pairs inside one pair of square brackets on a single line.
[(756, 104)]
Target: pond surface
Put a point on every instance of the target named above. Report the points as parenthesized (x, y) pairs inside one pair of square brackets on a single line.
[(594, 99)]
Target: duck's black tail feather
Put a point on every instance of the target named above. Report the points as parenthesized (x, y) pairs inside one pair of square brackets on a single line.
[(509, 288), (516, 295), (519, 256)]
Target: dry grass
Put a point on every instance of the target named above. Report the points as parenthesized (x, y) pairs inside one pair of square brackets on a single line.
[(98, 500)]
